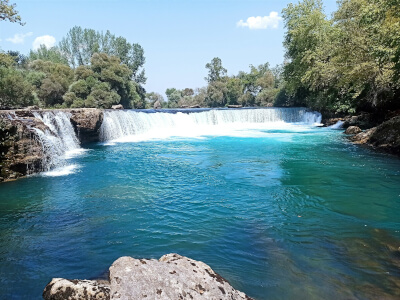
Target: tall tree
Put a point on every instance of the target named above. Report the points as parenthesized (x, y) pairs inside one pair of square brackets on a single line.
[(215, 70), (80, 44), (52, 54)]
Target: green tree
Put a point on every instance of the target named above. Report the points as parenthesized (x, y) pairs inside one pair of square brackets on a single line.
[(215, 70), (8, 12), (15, 90), (173, 96), (55, 84), (217, 94), (152, 98), (52, 54), (81, 44)]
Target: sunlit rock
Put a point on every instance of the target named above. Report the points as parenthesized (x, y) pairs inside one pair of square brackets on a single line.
[(353, 130), (171, 277)]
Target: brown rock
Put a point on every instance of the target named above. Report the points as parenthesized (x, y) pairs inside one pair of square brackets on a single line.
[(387, 136), (363, 137), (87, 123), (353, 130), (20, 153)]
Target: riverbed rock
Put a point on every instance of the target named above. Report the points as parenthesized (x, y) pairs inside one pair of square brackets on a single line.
[(363, 137), (87, 123), (235, 106), (60, 288), (353, 130), (118, 106), (171, 277)]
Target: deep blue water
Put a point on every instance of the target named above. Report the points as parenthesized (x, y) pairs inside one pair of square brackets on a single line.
[(283, 215)]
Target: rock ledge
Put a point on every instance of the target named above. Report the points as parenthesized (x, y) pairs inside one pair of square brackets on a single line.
[(171, 277)]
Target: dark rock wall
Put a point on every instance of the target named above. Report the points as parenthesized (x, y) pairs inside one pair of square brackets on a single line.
[(21, 152), (87, 123)]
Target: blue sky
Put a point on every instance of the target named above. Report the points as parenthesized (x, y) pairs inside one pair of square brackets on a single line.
[(179, 36)]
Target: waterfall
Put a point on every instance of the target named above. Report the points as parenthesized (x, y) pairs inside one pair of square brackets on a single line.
[(142, 125), (337, 125), (59, 141)]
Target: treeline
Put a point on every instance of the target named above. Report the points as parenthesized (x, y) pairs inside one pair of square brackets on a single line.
[(346, 63), (87, 69), (260, 86)]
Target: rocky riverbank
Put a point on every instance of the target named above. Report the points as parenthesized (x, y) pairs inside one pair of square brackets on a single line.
[(380, 133), (171, 277), (21, 152)]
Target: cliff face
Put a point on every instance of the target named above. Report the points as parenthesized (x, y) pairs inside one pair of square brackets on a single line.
[(21, 152)]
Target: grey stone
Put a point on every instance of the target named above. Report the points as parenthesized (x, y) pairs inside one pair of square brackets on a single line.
[(157, 105), (171, 277), (59, 289), (118, 106)]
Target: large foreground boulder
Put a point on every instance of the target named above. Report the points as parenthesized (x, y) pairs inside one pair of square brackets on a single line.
[(171, 277)]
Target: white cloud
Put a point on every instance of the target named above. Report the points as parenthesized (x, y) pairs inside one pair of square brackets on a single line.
[(19, 38), (271, 21), (47, 40)]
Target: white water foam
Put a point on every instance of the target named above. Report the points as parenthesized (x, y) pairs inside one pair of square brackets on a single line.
[(61, 171), (134, 126), (59, 143), (337, 125)]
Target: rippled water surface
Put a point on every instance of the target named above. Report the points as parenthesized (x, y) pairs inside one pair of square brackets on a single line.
[(281, 214)]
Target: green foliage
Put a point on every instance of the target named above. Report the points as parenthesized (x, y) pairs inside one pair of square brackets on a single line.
[(8, 12), (15, 91), (215, 70), (52, 54), (173, 96), (102, 96), (345, 63), (259, 87), (152, 98), (55, 84), (80, 45)]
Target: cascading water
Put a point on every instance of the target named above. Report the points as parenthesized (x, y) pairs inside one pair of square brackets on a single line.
[(59, 141), (337, 125), (135, 125)]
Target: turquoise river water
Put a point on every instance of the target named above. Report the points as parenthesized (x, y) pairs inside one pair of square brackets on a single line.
[(282, 210)]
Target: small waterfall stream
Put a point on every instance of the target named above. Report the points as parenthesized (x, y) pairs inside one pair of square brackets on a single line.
[(59, 142)]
